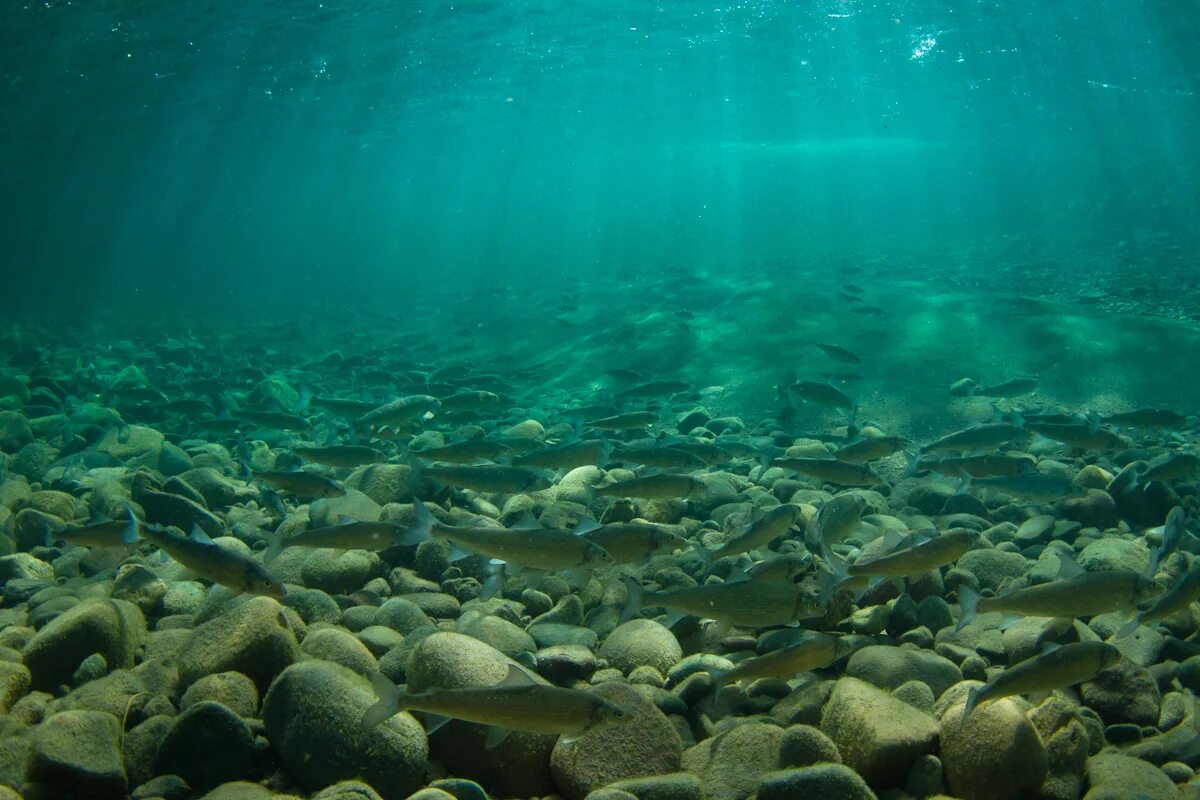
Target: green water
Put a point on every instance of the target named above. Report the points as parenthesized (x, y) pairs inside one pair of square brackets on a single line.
[(257, 151)]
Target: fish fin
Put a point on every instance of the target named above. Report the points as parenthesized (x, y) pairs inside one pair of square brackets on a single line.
[(1129, 627), (1059, 625), (457, 553), (516, 676), (968, 601), (674, 618), (1049, 647), (737, 575), (274, 546), (635, 595), (433, 722), (721, 626), (972, 702), (892, 540), (526, 522), (198, 535), (965, 486), (421, 529), (1008, 620), (914, 464), (495, 580), (585, 526), (495, 736), (131, 532), (1068, 567)]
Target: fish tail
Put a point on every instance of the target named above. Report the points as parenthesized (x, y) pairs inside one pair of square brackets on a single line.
[(390, 702), (914, 464), (274, 546), (968, 600), (635, 594), (130, 533), (1129, 627), (421, 529), (830, 581), (494, 582), (972, 702)]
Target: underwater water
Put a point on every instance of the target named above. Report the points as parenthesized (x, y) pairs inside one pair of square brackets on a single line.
[(599, 399)]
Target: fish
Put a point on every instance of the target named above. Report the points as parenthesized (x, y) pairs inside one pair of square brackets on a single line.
[(764, 528), (869, 311), (345, 407), (661, 486), (829, 470), (871, 448), (916, 559), (814, 651), (822, 394), (1014, 388), (349, 535), (1055, 668), (301, 483), (838, 353), (1176, 467), (516, 703), (482, 478), (108, 533), (401, 410), (980, 437), (633, 420), (1182, 594), (631, 542), (468, 451), (274, 419), (752, 602), (525, 546), (1079, 594), (340, 455), (567, 456), (653, 389), (1146, 418), (465, 402), (835, 520), (985, 465), (1028, 485), (1173, 529), (1083, 437), (198, 553), (666, 457)]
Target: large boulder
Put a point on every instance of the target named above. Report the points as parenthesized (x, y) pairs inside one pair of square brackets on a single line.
[(890, 667), (254, 638), (641, 642), (1112, 776), (78, 753), (878, 735), (208, 745), (996, 755), (113, 628), (645, 743), (313, 715), (731, 764)]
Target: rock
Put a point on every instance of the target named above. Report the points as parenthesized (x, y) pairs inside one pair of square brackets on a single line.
[(499, 633), (340, 647), (1095, 510), (917, 694), (254, 638), (1111, 552), (208, 745), (231, 689), (112, 628), (641, 642), (804, 745), (993, 567), (15, 432), (997, 755), (824, 781), (925, 777), (1124, 692), (1035, 530), (731, 764), (131, 442), (164, 787), (878, 735), (383, 483), (138, 585), (90, 669), (313, 717), (350, 790), (79, 753), (516, 767), (673, 786), (24, 566), (15, 682), (644, 744), (1112, 775), (565, 664), (529, 429), (313, 605), (716, 489), (889, 667)]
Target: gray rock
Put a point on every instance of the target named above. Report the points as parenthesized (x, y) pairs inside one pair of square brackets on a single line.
[(208, 745), (641, 642), (889, 667), (673, 786), (824, 781), (993, 567), (338, 574), (164, 787), (401, 615), (557, 634), (565, 664), (499, 633), (878, 736), (340, 647), (644, 744), (139, 586), (934, 613), (1112, 552), (313, 717), (997, 755), (1095, 510), (79, 752), (254, 638), (313, 605), (15, 682), (804, 745), (112, 628)]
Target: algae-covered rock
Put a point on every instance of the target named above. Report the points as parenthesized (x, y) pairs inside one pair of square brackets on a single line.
[(79, 752), (208, 745), (231, 689), (824, 781), (672, 786), (313, 716), (997, 755), (340, 647), (890, 667), (131, 442), (645, 743), (1112, 776), (1124, 692), (338, 574), (804, 745), (731, 764), (993, 567), (641, 642), (112, 628), (878, 735), (254, 638)]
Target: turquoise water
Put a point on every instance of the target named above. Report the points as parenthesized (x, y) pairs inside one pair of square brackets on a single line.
[(213, 154)]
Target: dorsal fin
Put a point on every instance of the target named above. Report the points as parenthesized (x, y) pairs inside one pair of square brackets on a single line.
[(198, 535), (1068, 567), (516, 677), (584, 526), (1048, 647), (526, 522)]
